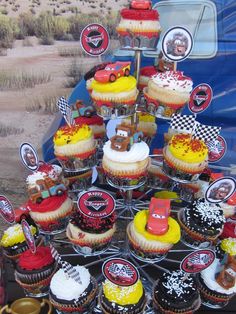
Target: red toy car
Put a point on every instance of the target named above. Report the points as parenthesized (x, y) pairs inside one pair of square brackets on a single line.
[(113, 71), (141, 4), (159, 210), (21, 212)]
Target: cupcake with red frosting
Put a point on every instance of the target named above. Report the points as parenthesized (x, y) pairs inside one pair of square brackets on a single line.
[(35, 270), (91, 235), (52, 214), (229, 206), (229, 230), (145, 74), (139, 26)]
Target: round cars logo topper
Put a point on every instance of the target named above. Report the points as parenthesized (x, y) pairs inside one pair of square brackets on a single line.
[(200, 98), (94, 39), (96, 204), (28, 236), (197, 261), (120, 272), (216, 149), (6, 210)]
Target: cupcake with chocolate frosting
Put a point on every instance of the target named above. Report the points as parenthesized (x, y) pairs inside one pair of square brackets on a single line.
[(176, 292), (202, 223)]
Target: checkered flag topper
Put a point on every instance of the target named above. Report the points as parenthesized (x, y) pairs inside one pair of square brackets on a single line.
[(121, 270), (65, 110), (182, 123), (206, 133), (67, 267)]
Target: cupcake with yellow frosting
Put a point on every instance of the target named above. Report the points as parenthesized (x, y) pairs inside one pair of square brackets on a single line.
[(13, 241), (184, 157), (146, 124), (116, 98), (75, 147), (147, 245)]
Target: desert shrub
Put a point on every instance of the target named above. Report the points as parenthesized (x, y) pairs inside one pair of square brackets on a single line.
[(27, 24), (74, 73), (6, 130), (27, 42), (61, 27), (8, 31), (47, 105), (46, 40), (45, 28)]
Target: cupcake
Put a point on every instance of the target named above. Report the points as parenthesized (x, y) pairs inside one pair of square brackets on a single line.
[(139, 26), (201, 223), (75, 147), (91, 235), (145, 75), (229, 230), (70, 296), (97, 126), (151, 238), (185, 158), (167, 93), (123, 164), (34, 271), (52, 214), (89, 76), (115, 98), (217, 283), (45, 182), (13, 241), (176, 292), (229, 206), (146, 124)]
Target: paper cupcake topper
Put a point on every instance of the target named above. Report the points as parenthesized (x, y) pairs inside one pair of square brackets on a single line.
[(28, 235), (67, 267), (216, 149), (220, 190), (65, 110), (197, 261), (6, 210), (200, 98), (120, 272), (177, 43), (29, 156), (96, 204)]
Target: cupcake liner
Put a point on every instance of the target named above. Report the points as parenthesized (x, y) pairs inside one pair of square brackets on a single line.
[(125, 181), (84, 303), (161, 310), (160, 109), (178, 174), (54, 226), (76, 163), (114, 110), (139, 41), (192, 237)]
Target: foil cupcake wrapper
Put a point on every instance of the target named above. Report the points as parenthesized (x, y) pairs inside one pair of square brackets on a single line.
[(115, 110), (54, 227), (125, 182), (77, 164), (139, 42), (178, 174)]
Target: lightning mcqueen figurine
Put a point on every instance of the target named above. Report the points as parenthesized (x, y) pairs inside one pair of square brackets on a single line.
[(141, 4), (113, 71), (159, 210)]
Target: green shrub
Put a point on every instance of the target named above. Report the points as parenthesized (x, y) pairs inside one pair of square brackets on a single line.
[(45, 26), (27, 24), (8, 31), (61, 27)]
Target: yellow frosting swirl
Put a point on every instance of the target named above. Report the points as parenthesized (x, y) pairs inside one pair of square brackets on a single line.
[(14, 235), (229, 246), (184, 148), (123, 295), (72, 135), (123, 84), (171, 236), (146, 117)]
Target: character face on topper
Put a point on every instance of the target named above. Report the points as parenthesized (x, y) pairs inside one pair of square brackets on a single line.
[(178, 45), (29, 156), (220, 190)]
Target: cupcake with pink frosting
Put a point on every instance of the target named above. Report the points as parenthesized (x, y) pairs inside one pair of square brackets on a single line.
[(167, 93)]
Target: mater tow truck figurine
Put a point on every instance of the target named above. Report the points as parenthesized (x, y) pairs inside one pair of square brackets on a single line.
[(45, 188), (227, 277), (80, 110), (113, 71), (159, 211), (126, 136)]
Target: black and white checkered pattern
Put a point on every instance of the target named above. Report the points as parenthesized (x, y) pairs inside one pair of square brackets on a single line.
[(67, 267), (65, 110), (182, 123), (206, 133)]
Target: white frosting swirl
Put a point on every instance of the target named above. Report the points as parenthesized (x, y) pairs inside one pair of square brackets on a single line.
[(138, 152), (208, 276), (173, 80), (54, 174), (66, 288)]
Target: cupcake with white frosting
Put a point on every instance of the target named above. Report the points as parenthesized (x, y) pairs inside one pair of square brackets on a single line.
[(70, 296), (167, 93)]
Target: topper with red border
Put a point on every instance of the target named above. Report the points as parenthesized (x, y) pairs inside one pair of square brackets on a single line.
[(216, 149), (96, 204), (200, 98), (120, 272), (6, 210), (220, 190), (94, 39), (28, 236), (197, 261), (29, 156)]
